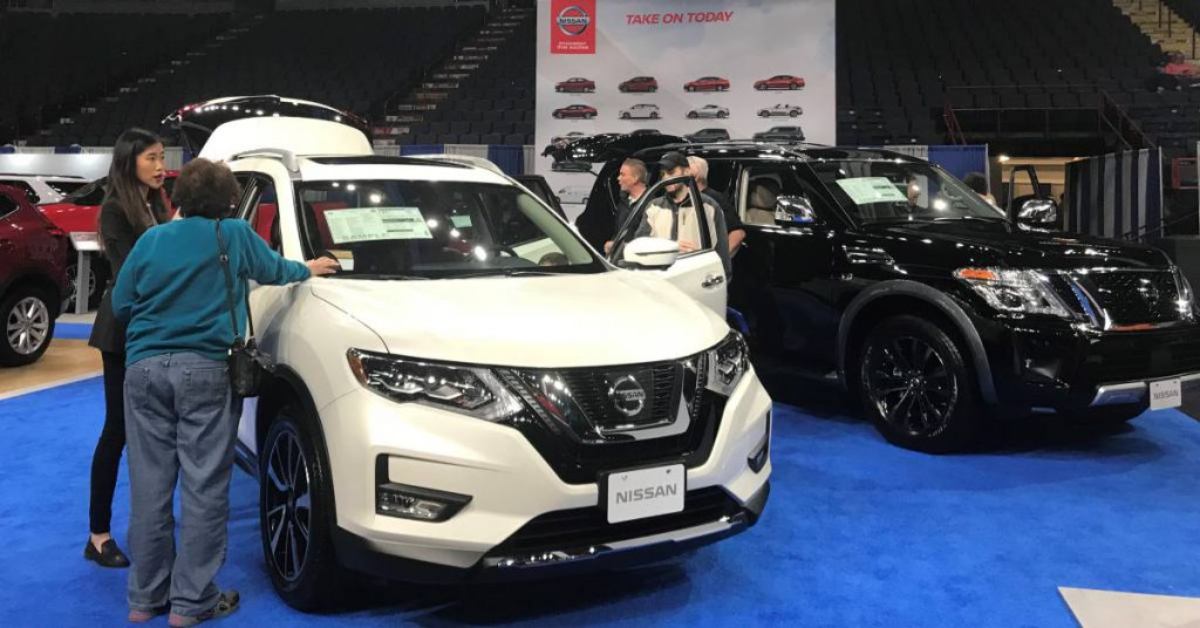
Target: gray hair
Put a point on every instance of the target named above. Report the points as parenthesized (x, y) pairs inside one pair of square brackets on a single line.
[(699, 168), (639, 169)]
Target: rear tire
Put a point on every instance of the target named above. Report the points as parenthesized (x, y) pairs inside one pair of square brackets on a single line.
[(304, 569), (916, 387), (26, 325)]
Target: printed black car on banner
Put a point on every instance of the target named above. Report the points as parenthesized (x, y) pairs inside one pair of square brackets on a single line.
[(887, 275)]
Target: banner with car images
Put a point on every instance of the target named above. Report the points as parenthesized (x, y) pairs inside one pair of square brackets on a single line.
[(704, 69)]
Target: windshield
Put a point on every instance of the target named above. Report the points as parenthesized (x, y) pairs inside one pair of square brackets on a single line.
[(891, 191), (436, 229)]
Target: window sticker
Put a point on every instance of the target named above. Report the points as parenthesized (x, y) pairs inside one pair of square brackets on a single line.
[(867, 190), (376, 223), (461, 222)]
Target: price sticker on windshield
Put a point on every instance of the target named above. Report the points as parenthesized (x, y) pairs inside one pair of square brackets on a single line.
[(377, 223), (868, 190)]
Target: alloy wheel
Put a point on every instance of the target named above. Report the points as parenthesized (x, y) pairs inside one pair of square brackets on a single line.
[(289, 506), (28, 325), (908, 382)]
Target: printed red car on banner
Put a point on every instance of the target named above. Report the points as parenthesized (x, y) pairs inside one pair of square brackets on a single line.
[(33, 278), (639, 84), (780, 81), (707, 84), (575, 111), (576, 85)]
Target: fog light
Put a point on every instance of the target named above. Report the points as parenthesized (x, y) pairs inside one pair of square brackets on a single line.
[(762, 452), (411, 502)]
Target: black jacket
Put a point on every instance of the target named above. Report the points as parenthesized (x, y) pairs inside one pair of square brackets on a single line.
[(108, 334)]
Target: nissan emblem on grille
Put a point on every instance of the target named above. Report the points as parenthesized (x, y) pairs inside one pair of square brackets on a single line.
[(628, 396)]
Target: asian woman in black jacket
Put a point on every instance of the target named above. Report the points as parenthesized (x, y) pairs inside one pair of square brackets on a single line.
[(135, 201)]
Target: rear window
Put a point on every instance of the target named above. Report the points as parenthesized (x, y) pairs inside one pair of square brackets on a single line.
[(23, 187)]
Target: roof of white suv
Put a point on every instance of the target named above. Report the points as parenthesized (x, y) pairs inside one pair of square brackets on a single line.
[(376, 167)]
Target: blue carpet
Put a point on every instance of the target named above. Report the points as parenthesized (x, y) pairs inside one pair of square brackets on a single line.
[(75, 331), (857, 533)]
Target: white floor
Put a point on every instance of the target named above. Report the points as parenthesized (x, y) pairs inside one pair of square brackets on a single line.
[(1114, 609)]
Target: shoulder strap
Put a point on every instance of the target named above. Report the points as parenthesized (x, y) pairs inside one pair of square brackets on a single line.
[(223, 256)]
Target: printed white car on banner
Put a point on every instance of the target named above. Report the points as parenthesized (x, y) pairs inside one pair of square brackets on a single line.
[(479, 394), (641, 111), (781, 110), (709, 111)]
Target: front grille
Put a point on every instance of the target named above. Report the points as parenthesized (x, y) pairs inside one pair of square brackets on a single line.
[(1134, 297), (574, 424), (586, 527)]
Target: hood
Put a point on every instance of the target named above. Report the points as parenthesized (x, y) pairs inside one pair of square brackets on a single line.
[(965, 243), (611, 318)]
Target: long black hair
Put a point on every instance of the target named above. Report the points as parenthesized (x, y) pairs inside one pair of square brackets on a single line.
[(123, 185)]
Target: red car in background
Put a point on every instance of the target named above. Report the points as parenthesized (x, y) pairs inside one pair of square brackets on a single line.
[(575, 111), (639, 84), (33, 278), (707, 84), (79, 212), (780, 81), (576, 85)]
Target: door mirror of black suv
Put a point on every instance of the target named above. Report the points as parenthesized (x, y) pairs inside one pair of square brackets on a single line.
[(794, 210), (1038, 212)]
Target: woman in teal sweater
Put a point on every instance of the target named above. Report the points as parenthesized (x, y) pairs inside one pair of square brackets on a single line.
[(181, 414)]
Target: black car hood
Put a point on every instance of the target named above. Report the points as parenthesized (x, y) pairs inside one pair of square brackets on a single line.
[(608, 146), (953, 244)]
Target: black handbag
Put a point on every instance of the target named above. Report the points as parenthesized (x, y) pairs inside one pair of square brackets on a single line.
[(247, 366)]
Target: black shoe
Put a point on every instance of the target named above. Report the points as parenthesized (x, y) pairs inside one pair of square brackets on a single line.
[(109, 555), (225, 606)]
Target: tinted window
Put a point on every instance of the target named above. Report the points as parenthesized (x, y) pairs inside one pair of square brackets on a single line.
[(23, 187), (7, 205)]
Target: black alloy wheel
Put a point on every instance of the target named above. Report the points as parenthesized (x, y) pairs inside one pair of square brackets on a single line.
[(916, 386), (295, 511)]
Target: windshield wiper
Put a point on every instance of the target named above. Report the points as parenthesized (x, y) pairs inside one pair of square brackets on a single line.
[(979, 218), (381, 276), (506, 272)]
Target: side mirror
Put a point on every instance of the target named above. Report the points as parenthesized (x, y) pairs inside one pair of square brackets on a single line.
[(794, 210), (656, 253), (1039, 212)]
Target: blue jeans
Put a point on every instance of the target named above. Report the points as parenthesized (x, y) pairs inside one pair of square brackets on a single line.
[(181, 424)]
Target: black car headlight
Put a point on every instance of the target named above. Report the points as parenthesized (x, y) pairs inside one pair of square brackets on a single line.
[(1015, 291), (727, 363), (473, 391), (1186, 301)]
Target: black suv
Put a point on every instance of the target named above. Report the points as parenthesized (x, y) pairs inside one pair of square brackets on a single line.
[(888, 275)]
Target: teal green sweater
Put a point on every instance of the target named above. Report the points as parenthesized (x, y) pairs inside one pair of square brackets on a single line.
[(171, 290)]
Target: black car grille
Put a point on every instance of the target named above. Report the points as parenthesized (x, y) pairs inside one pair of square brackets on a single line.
[(1134, 297), (1138, 358), (586, 527), (581, 435)]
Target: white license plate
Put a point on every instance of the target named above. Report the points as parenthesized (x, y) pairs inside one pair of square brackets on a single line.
[(645, 493), (1165, 394)]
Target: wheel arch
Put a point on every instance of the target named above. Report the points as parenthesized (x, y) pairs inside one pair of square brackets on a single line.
[(909, 297)]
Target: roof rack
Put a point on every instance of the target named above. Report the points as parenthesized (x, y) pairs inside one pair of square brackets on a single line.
[(286, 156)]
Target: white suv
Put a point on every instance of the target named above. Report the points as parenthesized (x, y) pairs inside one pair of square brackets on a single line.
[(478, 394), (43, 189), (644, 111)]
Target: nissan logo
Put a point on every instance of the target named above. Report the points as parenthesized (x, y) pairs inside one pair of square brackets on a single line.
[(573, 20), (628, 396)]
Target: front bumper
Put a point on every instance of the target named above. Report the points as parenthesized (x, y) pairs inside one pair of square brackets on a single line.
[(1058, 366), (512, 488)]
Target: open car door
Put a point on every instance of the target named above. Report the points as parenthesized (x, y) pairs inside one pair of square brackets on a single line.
[(671, 232)]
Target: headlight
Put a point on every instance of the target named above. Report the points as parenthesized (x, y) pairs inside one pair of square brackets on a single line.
[(1015, 291), (727, 363), (470, 390), (1184, 304)]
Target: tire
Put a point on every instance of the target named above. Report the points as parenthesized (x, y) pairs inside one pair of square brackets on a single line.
[(764, 114), (905, 362), (624, 116), (692, 115), (1106, 416), (689, 88), (793, 113), (26, 325), (722, 115), (654, 116), (314, 583), (96, 283)]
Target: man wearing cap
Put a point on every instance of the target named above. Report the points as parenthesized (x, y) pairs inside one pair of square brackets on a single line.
[(673, 217)]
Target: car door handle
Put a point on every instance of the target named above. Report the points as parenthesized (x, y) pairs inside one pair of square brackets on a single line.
[(712, 281)]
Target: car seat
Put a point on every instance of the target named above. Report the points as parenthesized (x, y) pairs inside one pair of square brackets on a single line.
[(760, 206)]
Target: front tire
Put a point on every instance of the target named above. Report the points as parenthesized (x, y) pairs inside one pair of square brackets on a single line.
[(295, 512), (27, 326), (793, 113), (916, 386)]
